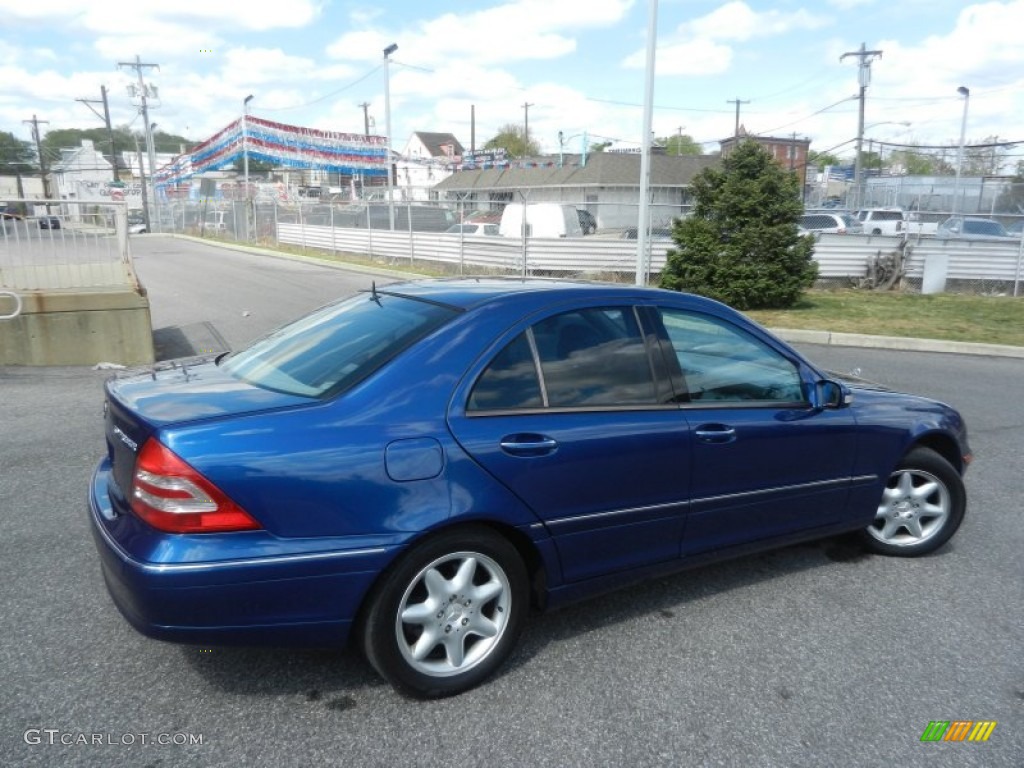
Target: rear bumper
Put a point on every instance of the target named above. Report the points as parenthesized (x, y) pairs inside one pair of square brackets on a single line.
[(265, 591)]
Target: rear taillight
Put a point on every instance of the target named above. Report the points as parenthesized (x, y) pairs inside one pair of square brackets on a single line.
[(170, 495)]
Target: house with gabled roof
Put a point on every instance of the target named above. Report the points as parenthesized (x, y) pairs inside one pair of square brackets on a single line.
[(605, 184), (427, 159)]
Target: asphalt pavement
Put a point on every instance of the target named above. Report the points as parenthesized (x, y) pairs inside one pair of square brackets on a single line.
[(814, 655)]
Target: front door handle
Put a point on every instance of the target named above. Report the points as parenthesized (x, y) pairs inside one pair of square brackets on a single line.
[(528, 445), (715, 433)]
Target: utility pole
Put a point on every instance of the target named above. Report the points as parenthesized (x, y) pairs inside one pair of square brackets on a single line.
[(737, 102), (526, 123), (864, 79), (34, 122), (105, 117), (792, 153), (143, 91), (366, 117)]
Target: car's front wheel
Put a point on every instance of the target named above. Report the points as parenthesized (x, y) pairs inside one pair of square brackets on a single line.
[(448, 614), (921, 508)]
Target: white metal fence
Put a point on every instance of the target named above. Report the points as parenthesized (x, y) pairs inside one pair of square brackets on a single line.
[(419, 239), (59, 245)]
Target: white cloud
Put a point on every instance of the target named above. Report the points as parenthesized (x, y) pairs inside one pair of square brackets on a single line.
[(512, 31), (110, 15), (701, 46)]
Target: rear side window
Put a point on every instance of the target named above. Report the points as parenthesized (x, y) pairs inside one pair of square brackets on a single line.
[(584, 358), (337, 346), (887, 216)]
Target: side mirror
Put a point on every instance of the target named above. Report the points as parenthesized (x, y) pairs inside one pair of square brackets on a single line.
[(830, 394)]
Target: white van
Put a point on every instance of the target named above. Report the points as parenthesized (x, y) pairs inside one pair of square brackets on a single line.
[(542, 220)]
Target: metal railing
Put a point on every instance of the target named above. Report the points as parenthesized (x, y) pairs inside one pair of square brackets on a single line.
[(60, 245), (17, 305)]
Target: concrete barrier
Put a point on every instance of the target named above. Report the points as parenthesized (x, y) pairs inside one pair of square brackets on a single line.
[(79, 326)]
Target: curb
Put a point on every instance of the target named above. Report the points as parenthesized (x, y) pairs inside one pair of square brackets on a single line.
[(319, 261), (907, 344)]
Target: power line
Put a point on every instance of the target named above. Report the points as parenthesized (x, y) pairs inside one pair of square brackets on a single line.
[(807, 117), (325, 96)]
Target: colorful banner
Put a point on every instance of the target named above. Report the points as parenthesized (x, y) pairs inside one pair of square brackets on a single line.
[(283, 145)]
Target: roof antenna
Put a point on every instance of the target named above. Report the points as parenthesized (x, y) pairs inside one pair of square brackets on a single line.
[(373, 292)]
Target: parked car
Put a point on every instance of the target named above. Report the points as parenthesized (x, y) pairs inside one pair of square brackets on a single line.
[(655, 233), (136, 224), (923, 222), (973, 228), (48, 222), (414, 467), (818, 223), (474, 229), (587, 221), (542, 220), (882, 221)]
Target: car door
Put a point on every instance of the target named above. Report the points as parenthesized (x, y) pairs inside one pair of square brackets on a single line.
[(765, 464), (575, 416)]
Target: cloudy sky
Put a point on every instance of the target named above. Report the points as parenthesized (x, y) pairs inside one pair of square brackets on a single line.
[(579, 64)]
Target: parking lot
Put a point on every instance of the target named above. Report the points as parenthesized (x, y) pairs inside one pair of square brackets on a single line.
[(814, 655)]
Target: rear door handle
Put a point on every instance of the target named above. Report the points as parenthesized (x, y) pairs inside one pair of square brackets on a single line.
[(715, 433), (528, 445)]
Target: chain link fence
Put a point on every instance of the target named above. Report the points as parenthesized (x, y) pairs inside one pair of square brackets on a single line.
[(571, 238)]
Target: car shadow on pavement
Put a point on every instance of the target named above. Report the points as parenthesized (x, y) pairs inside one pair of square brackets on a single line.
[(331, 677)]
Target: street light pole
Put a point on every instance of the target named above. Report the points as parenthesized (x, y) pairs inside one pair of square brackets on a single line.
[(245, 141), (966, 93), (387, 116)]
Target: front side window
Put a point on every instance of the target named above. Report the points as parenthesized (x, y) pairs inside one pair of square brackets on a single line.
[(722, 363), (584, 358), (338, 345)]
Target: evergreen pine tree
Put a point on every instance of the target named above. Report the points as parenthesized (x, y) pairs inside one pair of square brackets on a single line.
[(741, 246)]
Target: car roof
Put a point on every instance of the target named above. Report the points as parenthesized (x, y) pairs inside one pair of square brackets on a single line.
[(470, 292)]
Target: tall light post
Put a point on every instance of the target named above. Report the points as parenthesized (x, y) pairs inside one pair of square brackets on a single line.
[(966, 93), (387, 117), (643, 220), (245, 142)]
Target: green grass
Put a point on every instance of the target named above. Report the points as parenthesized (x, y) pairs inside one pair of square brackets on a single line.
[(985, 319)]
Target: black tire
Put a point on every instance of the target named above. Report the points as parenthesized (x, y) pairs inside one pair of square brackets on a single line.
[(921, 508), (465, 597)]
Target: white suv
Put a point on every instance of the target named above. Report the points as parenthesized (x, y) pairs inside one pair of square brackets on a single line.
[(882, 221)]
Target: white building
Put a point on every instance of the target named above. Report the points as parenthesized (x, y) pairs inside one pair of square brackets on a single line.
[(427, 159), (82, 174)]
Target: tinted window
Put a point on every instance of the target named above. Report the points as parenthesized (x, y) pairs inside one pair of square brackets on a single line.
[(587, 358), (337, 346), (721, 362), (818, 221), (510, 381), (887, 216), (594, 357), (980, 227)]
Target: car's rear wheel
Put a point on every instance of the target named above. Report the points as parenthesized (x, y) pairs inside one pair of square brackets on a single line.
[(448, 614), (921, 507)]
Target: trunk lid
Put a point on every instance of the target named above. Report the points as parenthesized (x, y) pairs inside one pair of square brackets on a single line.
[(139, 404)]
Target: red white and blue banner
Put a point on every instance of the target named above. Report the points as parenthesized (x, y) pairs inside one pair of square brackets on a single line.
[(283, 145)]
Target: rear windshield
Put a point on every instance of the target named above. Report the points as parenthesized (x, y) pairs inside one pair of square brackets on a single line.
[(337, 346)]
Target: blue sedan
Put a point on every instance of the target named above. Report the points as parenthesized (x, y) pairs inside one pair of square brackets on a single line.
[(418, 466)]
